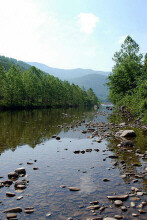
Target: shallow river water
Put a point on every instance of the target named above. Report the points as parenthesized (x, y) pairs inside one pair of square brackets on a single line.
[(26, 136)]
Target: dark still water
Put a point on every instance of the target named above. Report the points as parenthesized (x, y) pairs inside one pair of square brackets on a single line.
[(26, 136)]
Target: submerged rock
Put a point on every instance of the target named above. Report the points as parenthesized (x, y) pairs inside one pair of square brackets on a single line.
[(118, 197), (16, 209), (74, 189)]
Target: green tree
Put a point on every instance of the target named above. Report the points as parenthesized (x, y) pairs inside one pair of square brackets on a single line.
[(126, 71)]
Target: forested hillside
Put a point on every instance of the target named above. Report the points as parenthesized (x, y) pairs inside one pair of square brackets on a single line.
[(33, 88), (128, 81), (96, 82), (7, 62)]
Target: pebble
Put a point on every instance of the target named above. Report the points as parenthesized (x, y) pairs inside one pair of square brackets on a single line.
[(132, 204), (9, 194), (19, 197), (118, 216), (118, 203), (35, 168), (16, 209), (74, 189), (124, 208), (10, 216)]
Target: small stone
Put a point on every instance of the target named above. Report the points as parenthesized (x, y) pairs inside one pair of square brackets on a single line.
[(57, 138), (140, 193), (135, 214), (35, 168), (9, 194), (16, 209), (118, 216), (63, 186), (94, 202), (29, 163), (135, 198), (132, 204), (74, 189), (48, 214), (118, 203), (106, 180), (10, 216), (13, 175), (93, 207), (142, 211), (124, 208), (19, 197), (20, 170), (29, 210)]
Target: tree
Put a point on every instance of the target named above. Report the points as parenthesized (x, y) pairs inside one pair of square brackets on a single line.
[(127, 70)]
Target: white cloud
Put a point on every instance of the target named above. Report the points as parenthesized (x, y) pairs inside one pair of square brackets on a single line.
[(87, 22), (121, 39)]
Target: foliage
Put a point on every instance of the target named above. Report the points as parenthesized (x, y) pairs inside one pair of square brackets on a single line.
[(34, 88), (128, 80)]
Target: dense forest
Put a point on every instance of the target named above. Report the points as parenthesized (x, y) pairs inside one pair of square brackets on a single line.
[(20, 88), (128, 80)]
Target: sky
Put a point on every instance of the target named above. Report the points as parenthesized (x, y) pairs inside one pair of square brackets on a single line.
[(71, 33)]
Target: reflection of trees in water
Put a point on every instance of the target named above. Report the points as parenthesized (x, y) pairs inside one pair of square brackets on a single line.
[(35, 126)]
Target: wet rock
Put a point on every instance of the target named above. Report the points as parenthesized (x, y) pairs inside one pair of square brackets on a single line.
[(135, 198), (48, 214), (82, 152), (74, 189), (94, 202), (11, 216), (127, 143), (76, 151), (15, 210), (13, 175), (93, 207), (124, 208), (135, 214), (35, 168), (57, 138), (54, 136), (97, 150), (29, 163), (101, 208), (109, 218), (128, 133), (106, 180), (88, 150), (118, 197), (140, 193), (9, 194), (29, 210), (118, 216), (142, 211), (118, 203), (20, 184), (8, 183), (132, 204), (21, 170), (63, 186), (113, 156), (19, 197)]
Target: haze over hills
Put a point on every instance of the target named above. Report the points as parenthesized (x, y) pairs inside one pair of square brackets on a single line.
[(81, 77), (96, 82), (66, 74)]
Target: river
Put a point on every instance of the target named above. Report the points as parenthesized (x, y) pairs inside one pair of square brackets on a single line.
[(77, 158)]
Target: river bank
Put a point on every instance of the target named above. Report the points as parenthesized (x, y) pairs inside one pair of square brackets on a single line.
[(60, 149)]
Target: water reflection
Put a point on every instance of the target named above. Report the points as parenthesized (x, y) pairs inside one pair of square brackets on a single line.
[(32, 127)]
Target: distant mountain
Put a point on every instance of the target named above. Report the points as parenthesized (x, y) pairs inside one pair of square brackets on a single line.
[(66, 74), (81, 77), (96, 82), (7, 62)]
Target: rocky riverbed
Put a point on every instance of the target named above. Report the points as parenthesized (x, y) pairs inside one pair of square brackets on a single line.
[(76, 165)]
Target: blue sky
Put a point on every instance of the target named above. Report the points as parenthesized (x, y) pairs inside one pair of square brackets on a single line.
[(71, 33)]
